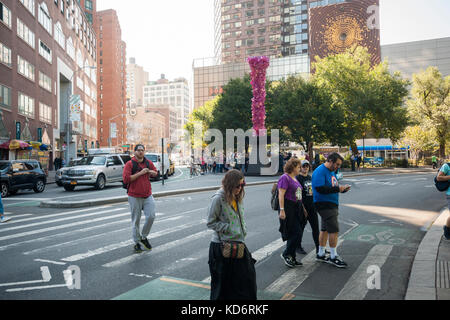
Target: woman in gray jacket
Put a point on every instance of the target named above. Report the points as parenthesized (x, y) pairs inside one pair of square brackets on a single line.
[(231, 278)]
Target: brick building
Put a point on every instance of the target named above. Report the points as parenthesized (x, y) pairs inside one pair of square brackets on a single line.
[(111, 73), (48, 53)]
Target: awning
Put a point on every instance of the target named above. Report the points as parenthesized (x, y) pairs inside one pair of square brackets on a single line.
[(14, 144), (39, 145), (382, 148)]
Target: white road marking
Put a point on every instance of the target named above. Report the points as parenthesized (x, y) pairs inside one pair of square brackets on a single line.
[(58, 214), (46, 277), (37, 288), (49, 261), (289, 281), (123, 244), (356, 287), (162, 248), (24, 234)]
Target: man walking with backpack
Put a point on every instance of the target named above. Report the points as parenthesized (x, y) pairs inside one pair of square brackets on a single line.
[(136, 176)]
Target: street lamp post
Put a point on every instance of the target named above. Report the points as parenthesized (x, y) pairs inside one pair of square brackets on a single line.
[(109, 123), (68, 132)]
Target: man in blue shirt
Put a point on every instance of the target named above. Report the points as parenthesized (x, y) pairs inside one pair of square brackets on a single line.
[(444, 175), (326, 191)]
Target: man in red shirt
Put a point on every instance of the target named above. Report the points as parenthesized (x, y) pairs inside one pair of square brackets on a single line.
[(136, 175)]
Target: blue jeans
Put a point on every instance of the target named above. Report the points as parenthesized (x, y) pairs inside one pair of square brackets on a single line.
[(1, 205)]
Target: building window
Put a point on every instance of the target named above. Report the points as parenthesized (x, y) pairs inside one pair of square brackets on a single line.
[(45, 82), (5, 55), (5, 96), (45, 51), (26, 105), (25, 33), (44, 18), (30, 5), (70, 48), (25, 68), (59, 35), (45, 113), (5, 15)]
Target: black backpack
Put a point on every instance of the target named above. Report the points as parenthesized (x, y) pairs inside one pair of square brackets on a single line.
[(135, 170), (274, 203), (442, 186)]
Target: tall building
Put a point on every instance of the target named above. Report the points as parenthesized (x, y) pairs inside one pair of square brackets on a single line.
[(48, 54), (137, 78), (111, 84), (290, 32), (173, 93), (89, 7), (273, 28)]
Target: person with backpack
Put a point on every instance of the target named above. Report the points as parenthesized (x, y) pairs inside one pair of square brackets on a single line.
[(444, 176), (136, 177), (326, 189), (308, 202), (291, 211)]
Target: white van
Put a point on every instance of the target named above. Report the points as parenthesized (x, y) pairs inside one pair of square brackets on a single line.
[(156, 159)]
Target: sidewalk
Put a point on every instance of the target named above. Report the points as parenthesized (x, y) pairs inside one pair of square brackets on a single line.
[(430, 274)]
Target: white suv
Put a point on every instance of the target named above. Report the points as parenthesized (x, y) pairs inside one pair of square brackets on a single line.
[(94, 170)]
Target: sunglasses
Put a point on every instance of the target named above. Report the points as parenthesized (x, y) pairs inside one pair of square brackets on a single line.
[(241, 185), (140, 150)]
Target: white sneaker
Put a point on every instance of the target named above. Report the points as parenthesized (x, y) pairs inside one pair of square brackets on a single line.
[(4, 219)]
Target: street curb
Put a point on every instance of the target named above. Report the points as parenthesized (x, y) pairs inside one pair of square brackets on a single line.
[(422, 280), (112, 200)]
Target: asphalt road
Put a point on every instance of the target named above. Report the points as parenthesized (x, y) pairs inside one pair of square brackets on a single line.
[(382, 222)]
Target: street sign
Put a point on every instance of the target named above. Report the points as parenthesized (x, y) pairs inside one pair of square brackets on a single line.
[(75, 107), (113, 131), (18, 130)]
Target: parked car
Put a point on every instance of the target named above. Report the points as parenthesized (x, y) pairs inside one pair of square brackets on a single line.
[(157, 161), (94, 170), (58, 174), (18, 175), (171, 168)]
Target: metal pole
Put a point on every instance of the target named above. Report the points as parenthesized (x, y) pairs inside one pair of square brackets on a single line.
[(162, 160)]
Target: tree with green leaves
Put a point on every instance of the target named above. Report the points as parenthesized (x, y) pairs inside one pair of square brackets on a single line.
[(419, 140), (370, 99), (202, 117), (303, 113), (234, 106), (429, 104)]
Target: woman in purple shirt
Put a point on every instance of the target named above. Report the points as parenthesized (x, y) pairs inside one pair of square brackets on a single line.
[(291, 210)]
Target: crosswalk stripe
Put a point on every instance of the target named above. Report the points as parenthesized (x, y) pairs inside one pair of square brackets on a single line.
[(60, 220), (54, 236), (126, 243), (162, 248), (55, 215), (64, 226), (293, 278), (356, 288)]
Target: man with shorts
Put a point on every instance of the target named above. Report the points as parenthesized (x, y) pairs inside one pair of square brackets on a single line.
[(326, 191)]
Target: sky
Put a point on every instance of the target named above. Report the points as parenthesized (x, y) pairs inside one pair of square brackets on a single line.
[(166, 36)]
